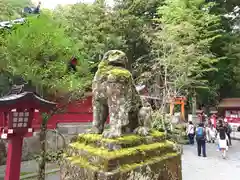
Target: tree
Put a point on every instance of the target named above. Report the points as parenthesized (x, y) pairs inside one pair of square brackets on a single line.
[(9, 10), (12, 9), (181, 43), (90, 27), (39, 51), (234, 56), (133, 18), (223, 81)]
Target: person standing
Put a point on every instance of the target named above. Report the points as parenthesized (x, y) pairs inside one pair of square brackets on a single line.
[(212, 134), (222, 139), (208, 133), (201, 140), (228, 132), (191, 132)]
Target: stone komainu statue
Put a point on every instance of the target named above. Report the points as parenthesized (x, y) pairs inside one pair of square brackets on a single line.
[(114, 93)]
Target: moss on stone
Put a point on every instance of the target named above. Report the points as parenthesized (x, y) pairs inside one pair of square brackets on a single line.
[(120, 72), (79, 161), (105, 153), (129, 167), (86, 144), (126, 139), (124, 160), (157, 134), (105, 69)]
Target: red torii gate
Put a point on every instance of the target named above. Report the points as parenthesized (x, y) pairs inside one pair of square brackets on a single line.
[(179, 100)]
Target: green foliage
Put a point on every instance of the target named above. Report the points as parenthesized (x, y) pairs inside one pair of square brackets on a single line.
[(175, 132), (90, 27), (39, 50), (45, 117), (161, 122), (131, 19), (179, 134), (11, 9), (176, 45), (51, 156), (234, 55), (5, 83), (223, 82), (184, 41)]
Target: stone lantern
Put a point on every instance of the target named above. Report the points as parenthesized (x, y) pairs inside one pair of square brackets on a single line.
[(17, 110)]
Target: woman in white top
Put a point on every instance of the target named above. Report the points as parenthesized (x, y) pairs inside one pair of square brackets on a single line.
[(191, 132), (212, 134)]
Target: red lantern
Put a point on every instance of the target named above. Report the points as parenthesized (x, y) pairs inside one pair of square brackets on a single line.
[(16, 122)]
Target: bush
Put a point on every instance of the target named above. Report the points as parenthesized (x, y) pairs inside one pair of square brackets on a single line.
[(51, 156), (161, 122)]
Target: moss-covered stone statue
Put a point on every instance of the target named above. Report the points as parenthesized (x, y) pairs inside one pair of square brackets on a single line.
[(114, 93), (117, 154)]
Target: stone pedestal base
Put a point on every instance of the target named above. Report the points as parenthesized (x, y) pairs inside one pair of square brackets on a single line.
[(130, 157)]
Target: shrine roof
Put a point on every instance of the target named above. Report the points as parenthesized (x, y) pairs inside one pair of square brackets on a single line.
[(31, 97), (229, 103)]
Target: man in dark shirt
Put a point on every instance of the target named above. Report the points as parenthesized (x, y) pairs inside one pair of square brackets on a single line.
[(228, 132)]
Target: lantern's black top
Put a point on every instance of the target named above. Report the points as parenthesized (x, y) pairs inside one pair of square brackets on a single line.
[(19, 98)]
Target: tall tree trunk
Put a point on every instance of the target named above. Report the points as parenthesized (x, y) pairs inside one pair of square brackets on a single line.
[(165, 93), (42, 163), (194, 107)]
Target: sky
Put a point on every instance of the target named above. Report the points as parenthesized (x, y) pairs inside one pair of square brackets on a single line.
[(53, 3)]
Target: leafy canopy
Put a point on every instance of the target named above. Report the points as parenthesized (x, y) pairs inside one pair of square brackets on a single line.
[(181, 43), (12, 9), (39, 50)]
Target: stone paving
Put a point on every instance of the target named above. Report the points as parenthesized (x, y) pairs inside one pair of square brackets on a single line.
[(196, 168), (213, 167), (27, 167)]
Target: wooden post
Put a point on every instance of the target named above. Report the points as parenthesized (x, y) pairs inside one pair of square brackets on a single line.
[(194, 108), (171, 108), (182, 110)]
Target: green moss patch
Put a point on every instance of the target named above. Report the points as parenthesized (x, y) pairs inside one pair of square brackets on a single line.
[(118, 73), (105, 153), (103, 68), (125, 141), (110, 160), (94, 150), (136, 153), (25, 173), (83, 163), (129, 167)]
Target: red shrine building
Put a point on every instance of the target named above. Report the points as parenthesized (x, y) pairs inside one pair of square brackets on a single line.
[(229, 109), (75, 113)]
